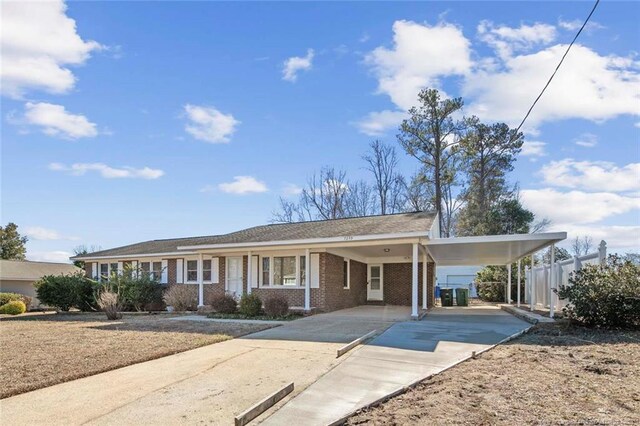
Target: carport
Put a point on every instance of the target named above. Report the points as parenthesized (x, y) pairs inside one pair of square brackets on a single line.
[(493, 250)]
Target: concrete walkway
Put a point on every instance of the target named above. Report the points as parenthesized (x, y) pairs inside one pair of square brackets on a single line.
[(407, 352), (209, 385)]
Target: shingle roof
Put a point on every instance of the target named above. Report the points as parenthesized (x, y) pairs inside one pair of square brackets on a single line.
[(26, 270), (367, 225)]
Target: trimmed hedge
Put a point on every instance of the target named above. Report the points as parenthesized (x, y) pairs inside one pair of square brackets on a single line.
[(276, 306), (67, 291), (15, 307), (250, 305), (224, 304), (10, 297)]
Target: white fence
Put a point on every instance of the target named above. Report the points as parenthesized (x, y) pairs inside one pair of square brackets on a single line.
[(538, 281)]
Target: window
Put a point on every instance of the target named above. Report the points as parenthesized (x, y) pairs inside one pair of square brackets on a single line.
[(303, 265), (104, 271), (113, 268), (266, 272), (284, 270), (145, 267), (192, 270), (156, 268), (206, 269), (346, 275)]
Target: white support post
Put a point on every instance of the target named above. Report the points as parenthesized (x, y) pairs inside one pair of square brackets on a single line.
[(249, 272), (200, 282), (509, 284), (532, 283), (602, 253), (519, 279), (552, 283), (414, 282), (424, 280), (307, 280)]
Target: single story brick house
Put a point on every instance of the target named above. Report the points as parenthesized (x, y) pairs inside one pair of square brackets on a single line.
[(321, 265)]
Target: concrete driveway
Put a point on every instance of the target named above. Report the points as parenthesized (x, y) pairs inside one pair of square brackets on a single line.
[(407, 352), (209, 385)]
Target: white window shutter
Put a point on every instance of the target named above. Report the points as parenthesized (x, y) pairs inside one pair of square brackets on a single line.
[(180, 271), (315, 270), (254, 271), (120, 267), (134, 267), (215, 270), (164, 277), (94, 270)]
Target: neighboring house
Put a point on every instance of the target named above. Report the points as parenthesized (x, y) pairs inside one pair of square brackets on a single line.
[(458, 277), (18, 276), (374, 259)]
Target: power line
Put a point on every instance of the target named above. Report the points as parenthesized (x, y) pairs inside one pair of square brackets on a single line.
[(558, 67)]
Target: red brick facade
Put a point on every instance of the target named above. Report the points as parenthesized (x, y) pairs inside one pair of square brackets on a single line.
[(397, 283)]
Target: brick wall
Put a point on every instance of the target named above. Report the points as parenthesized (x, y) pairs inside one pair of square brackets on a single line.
[(332, 292), (88, 266), (397, 283)]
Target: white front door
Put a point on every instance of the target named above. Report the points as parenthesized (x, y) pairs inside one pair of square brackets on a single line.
[(234, 276), (375, 283)]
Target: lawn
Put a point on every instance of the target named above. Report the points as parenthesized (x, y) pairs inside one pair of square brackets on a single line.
[(43, 350), (555, 374)]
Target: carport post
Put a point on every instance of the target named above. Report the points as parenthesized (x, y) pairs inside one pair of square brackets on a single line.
[(307, 281), (552, 284), (509, 284), (200, 282), (532, 282), (249, 272), (414, 283), (519, 276), (424, 280)]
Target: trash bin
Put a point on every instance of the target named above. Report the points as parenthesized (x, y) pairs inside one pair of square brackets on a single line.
[(446, 296), (462, 296), (437, 292)]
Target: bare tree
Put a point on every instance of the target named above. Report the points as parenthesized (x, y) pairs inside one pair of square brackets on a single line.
[(540, 225), (417, 195), (382, 162), (581, 246), (325, 194), (289, 212), (360, 199)]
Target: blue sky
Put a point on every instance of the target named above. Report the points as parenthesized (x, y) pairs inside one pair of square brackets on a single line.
[(127, 121)]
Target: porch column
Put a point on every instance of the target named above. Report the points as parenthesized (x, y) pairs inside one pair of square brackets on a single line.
[(424, 280), (552, 283), (414, 283), (519, 279), (307, 280), (249, 272), (532, 283), (200, 282), (509, 284)]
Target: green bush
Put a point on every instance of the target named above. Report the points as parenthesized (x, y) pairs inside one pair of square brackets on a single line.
[(15, 307), (136, 290), (10, 297), (250, 305), (491, 283), (224, 304), (276, 306), (604, 296), (67, 291)]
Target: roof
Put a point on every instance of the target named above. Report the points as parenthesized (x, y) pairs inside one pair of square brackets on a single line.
[(25, 270), (356, 226)]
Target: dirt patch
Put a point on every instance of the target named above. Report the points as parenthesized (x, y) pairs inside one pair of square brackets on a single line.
[(44, 350), (555, 374)]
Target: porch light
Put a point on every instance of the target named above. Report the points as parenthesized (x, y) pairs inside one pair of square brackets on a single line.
[(387, 250)]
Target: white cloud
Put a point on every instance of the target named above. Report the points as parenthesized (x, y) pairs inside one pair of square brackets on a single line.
[(507, 40), (209, 124), (592, 175), (295, 64), (617, 237), (588, 86), (39, 43), (40, 233), (576, 207), (107, 172), (588, 140), (378, 122), (243, 185), (58, 256), (55, 120), (291, 189), (533, 149), (575, 24), (420, 55)]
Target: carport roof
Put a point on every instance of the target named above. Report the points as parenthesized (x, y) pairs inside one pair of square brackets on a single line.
[(489, 250)]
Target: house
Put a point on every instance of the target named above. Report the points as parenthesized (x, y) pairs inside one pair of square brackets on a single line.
[(18, 276), (458, 277), (320, 265)]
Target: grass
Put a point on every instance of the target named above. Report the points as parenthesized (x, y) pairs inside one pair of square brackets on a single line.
[(43, 350), (287, 317), (555, 374)]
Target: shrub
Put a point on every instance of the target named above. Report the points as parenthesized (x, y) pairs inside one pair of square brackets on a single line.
[(250, 305), (606, 296), (10, 297), (135, 289), (15, 307), (109, 302), (181, 297), (67, 291), (491, 282), (224, 304), (276, 306)]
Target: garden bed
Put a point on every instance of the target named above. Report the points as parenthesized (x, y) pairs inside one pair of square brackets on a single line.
[(46, 349), (288, 317), (555, 374)]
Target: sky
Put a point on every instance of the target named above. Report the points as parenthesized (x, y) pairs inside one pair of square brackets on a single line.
[(130, 121)]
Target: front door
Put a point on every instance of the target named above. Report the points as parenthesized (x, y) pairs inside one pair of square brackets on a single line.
[(374, 283), (234, 276)]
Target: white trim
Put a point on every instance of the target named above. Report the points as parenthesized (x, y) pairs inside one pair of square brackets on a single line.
[(307, 279), (559, 236), (180, 271), (255, 272), (315, 270), (424, 279), (414, 282), (164, 275), (379, 265), (127, 257), (200, 282), (348, 262), (249, 271)]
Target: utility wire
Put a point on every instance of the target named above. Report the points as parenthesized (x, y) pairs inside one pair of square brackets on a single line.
[(558, 67)]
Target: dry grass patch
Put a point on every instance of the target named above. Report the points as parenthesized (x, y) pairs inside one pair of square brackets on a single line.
[(43, 350), (556, 374)]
